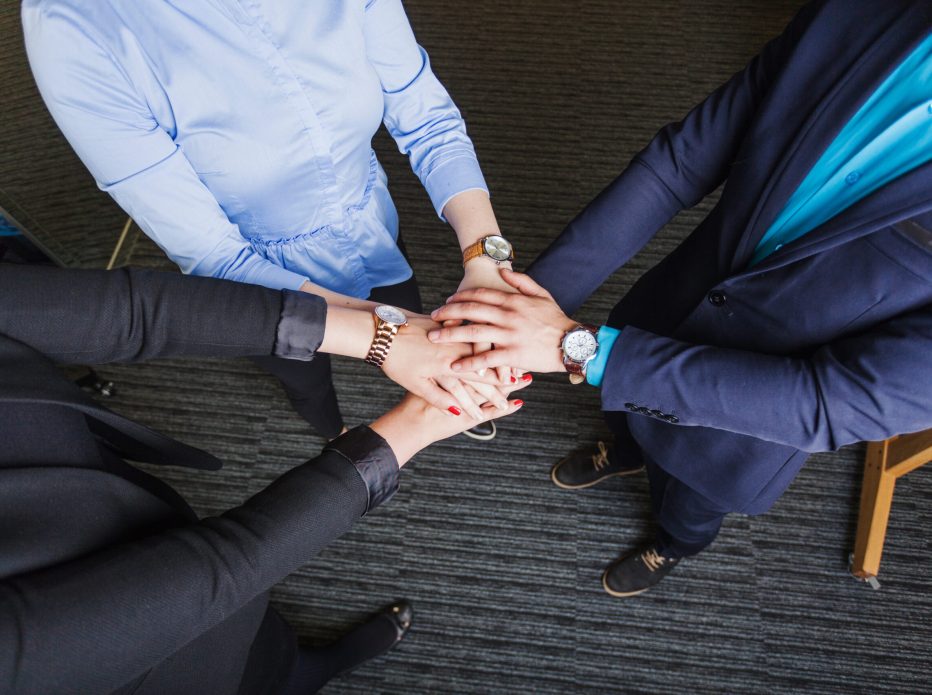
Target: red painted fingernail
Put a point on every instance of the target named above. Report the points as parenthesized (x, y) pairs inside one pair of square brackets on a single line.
[(456, 411), (527, 377), (513, 380), (519, 403)]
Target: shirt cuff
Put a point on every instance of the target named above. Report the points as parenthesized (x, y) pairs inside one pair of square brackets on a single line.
[(452, 177), (301, 327), (373, 459), (595, 372)]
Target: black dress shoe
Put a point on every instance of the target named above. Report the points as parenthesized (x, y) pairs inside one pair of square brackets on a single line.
[(636, 573), (400, 614), (484, 431), (587, 468)]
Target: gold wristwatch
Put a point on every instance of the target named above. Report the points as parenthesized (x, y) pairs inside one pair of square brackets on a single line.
[(388, 320), (496, 247)]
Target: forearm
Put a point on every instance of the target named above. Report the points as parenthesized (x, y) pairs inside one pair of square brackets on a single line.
[(95, 317), (335, 299), (864, 388), (471, 215), (167, 589)]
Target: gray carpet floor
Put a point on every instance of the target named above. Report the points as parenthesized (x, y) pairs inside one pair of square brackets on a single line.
[(503, 568)]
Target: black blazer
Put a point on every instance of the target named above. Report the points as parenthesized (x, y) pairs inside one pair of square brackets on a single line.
[(108, 582), (733, 374)]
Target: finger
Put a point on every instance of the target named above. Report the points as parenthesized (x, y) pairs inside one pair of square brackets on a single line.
[(504, 375), (523, 283), (490, 412), (455, 388), (437, 397), (485, 295), (491, 394), (493, 358), (477, 397), (472, 333), (452, 322), (471, 311), (522, 383)]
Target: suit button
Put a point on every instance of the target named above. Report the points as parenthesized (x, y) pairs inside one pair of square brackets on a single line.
[(658, 413), (642, 410), (717, 298), (672, 419), (630, 406)]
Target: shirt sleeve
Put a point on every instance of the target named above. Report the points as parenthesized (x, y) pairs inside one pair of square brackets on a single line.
[(131, 156), (595, 372), (419, 113)]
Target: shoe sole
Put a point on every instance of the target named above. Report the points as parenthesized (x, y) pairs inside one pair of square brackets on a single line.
[(482, 437), (619, 594), (553, 477)]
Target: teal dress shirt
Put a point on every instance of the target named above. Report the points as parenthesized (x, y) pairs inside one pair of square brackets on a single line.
[(890, 135)]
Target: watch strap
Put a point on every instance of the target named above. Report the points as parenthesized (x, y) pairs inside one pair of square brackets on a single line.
[(382, 342), (474, 251)]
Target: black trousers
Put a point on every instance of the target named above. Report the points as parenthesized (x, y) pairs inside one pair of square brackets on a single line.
[(309, 385), (687, 522)]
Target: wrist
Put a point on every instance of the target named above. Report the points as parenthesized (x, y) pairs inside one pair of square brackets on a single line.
[(395, 427), (348, 332)]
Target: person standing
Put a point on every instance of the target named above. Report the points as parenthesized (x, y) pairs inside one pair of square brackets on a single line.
[(238, 136)]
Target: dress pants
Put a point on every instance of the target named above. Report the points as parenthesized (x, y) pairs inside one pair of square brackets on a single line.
[(687, 521), (309, 385)]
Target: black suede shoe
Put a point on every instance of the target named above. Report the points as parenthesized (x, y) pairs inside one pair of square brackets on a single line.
[(484, 431), (585, 469), (636, 573)]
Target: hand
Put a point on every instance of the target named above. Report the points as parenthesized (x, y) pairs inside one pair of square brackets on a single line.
[(424, 369), (482, 272), (414, 424), (526, 328)]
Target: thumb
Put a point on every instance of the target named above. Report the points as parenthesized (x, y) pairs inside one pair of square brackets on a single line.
[(524, 284)]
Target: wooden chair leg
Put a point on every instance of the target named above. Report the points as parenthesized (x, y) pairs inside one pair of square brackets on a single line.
[(876, 499)]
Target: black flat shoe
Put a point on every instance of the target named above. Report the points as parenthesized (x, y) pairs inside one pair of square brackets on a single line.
[(587, 468), (483, 432), (400, 615)]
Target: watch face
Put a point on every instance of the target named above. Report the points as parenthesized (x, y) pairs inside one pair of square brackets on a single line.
[(391, 314), (497, 248), (580, 345)]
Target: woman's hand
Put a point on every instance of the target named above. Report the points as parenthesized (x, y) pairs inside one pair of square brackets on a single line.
[(526, 328), (424, 369), (414, 424)]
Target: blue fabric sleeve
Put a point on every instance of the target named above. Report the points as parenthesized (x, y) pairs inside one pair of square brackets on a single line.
[(596, 369), (419, 113)]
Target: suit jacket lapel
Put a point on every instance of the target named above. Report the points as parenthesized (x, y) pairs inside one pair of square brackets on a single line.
[(27, 376), (886, 50), (904, 198)]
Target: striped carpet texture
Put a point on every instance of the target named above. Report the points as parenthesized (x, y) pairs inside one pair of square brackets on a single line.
[(502, 567)]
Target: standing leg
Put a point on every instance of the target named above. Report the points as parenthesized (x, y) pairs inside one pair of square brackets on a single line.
[(686, 521), (309, 386)]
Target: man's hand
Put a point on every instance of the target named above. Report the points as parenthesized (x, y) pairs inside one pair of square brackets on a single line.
[(526, 328)]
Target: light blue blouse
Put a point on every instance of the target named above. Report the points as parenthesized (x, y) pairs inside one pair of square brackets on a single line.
[(237, 133)]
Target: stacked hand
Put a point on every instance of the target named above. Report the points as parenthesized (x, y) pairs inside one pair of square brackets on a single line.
[(525, 326), (425, 369)]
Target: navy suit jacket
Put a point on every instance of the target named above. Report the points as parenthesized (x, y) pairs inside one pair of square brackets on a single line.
[(826, 342)]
